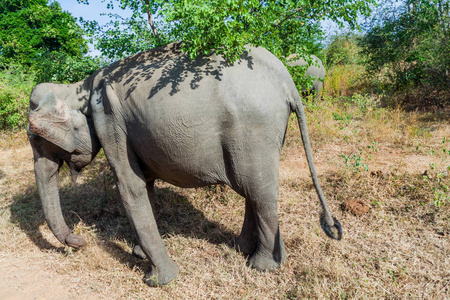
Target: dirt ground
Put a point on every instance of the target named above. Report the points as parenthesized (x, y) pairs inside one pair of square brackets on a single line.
[(396, 242)]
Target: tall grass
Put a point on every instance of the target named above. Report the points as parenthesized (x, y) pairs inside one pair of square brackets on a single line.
[(343, 80)]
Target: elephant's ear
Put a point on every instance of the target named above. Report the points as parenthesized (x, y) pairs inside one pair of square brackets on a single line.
[(54, 121)]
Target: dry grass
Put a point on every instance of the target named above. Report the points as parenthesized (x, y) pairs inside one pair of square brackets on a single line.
[(398, 250)]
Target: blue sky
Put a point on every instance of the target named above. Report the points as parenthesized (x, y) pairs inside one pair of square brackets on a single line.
[(91, 12)]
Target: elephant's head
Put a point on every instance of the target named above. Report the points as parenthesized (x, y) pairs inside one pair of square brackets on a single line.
[(60, 130)]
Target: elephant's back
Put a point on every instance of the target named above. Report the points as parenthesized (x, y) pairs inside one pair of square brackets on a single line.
[(316, 69)]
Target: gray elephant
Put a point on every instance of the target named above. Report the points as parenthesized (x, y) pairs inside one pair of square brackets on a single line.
[(315, 69), (160, 115)]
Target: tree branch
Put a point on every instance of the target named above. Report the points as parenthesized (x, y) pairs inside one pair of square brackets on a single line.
[(150, 17)]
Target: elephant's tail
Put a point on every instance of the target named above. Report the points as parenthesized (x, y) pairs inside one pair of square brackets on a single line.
[(327, 221)]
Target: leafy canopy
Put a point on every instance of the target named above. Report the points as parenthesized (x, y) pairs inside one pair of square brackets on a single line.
[(225, 26)]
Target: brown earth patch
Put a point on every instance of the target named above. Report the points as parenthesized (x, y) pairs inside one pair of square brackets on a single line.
[(355, 206)]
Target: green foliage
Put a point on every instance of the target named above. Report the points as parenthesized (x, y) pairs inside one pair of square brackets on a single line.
[(63, 68), (29, 28), (365, 102), (345, 65), (15, 88), (441, 165), (441, 195), (123, 37), (373, 146), (282, 27), (8, 6), (355, 162), (46, 39), (437, 175), (409, 45), (343, 50), (298, 76), (228, 26), (343, 119)]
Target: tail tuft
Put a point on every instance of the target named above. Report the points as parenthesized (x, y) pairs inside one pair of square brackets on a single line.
[(329, 229)]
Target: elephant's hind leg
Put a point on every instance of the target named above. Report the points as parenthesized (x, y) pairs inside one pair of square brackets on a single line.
[(247, 241), (137, 249), (317, 89), (270, 251), (260, 237)]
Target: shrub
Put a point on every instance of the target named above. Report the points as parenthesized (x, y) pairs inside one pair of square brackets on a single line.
[(409, 49), (62, 68), (15, 88)]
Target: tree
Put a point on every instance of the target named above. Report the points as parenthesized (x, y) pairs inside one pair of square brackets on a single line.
[(31, 28), (343, 49), (410, 43), (44, 39), (227, 26)]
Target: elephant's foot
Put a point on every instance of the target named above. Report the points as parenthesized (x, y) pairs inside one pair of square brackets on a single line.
[(74, 240), (263, 260), (138, 252), (161, 276), (244, 244)]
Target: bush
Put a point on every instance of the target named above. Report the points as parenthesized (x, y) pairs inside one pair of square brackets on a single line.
[(62, 68), (409, 49), (16, 83), (15, 88)]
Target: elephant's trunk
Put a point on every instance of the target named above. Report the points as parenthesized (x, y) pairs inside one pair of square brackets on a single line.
[(46, 172)]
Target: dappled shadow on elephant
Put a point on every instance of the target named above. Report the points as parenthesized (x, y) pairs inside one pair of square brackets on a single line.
[(96, 203), (149, 72)]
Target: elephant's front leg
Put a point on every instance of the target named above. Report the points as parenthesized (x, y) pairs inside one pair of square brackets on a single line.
[(110, 128), (135, 197)]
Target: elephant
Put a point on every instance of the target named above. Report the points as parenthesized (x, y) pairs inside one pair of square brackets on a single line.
[(315, 69), (160, 115)]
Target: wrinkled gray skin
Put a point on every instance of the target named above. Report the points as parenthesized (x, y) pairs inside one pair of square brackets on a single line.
[(159, 115), (315, 69)]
